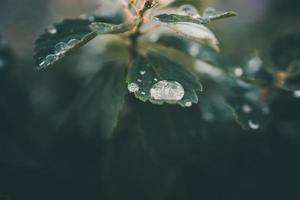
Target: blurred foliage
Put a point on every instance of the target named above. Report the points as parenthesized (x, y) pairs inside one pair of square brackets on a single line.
[(55, 124)]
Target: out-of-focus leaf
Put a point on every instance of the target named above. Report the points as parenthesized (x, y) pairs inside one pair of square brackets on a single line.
[(246, 103), (191, 48), (175, 18), (102, 100), (61, 38), (212, 14), (6, 57), (285, 51), (159, 80)]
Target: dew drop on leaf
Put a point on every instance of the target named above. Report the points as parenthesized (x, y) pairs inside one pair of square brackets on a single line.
[(238, 71), (188, 10), (246, 108), (143, 72), (51, 29), (254, 64), (72, 43), (139, 80), (167, 91), (155, 79), (253, 124), (60, 48), (188, 104), (133, 87)]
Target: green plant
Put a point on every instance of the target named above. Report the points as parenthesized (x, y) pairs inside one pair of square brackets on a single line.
[(164, 56)]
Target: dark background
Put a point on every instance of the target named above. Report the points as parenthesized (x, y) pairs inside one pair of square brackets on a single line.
[(44, 156)]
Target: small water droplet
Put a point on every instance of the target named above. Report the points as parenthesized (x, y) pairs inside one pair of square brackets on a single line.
[(2, 63), (188, 104), (167, 91), (208, 12), (73, 42), (91, 18), (139, 80), (143, 93), (49, 60), (155, 79), (60, 48), (246, 108), (253, 124), (194, 50), (143, 72), (238, 71), (51, 29), (188, 10), (254, 64), (133, 87), (296, 94)]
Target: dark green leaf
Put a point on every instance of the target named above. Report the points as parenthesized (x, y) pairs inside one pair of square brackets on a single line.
[(148, 73), (247, 106), (61, 38), (102, 100)]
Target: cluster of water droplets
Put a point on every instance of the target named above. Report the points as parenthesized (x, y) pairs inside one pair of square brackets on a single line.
[(59, 51)]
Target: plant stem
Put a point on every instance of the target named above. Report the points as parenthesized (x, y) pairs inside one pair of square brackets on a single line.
[(135, 35)]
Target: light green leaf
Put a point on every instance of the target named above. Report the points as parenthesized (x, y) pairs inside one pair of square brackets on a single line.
[(159, 80)]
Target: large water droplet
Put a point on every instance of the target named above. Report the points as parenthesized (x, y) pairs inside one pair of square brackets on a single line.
[(167, 91), (133, 87), (188, 10), (51, 29), (253, 124)]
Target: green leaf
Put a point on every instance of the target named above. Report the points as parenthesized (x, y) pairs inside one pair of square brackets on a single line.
[(175, 18), (193, 31), (247, 106), (101, 101), (212, 14), (159, 80), (61, 38)]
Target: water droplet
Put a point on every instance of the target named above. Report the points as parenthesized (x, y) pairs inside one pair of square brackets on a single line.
[(238, 71), (194, 50), (208, 12), (49, 60), (188, 10), (246, 108), (133, 87), (2, 64), (167, 91), (188, 104), (296, 94), (155, 79), (253, 124), (254, 64), (60, 48), (143, 93), (139, 80), (73, 42), (51, 29), (91, 18), (143, 72)]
